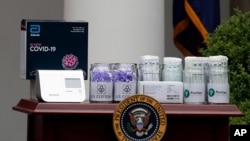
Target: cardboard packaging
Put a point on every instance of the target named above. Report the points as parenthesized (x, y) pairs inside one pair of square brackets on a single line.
[(53, 45), (162, 91)]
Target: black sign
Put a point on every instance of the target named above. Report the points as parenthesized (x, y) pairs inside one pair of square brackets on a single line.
[(239, 132), (53, 45)]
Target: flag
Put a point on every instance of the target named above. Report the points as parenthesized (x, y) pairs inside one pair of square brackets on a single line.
[(193, 20)]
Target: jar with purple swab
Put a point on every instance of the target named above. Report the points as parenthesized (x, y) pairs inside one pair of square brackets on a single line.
[(124, 77), (101, 84)]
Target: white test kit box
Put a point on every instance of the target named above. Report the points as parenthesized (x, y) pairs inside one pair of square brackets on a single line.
[(162, 91), (60, 85)]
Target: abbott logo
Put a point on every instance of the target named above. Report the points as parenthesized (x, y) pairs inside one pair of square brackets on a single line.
[(34, 29)]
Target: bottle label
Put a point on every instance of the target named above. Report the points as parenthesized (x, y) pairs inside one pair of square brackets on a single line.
[(194, 93), (218, 93), (101, 91), (123, 90)]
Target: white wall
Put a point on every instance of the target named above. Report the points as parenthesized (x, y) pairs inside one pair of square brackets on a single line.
[(12, 88), (13, 124), (120, 31)]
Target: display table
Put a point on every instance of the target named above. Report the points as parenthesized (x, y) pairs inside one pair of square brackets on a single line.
[(93, 121)]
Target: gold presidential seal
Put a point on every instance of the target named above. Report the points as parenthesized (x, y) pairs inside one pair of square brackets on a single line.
[(139, 118)]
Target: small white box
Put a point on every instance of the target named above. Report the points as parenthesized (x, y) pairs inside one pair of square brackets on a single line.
[(162, 91), (60, 85)]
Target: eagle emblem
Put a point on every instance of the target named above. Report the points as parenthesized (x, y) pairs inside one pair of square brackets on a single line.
[(139, 121)]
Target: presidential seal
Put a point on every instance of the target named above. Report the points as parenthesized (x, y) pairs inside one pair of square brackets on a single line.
[(139, 118)]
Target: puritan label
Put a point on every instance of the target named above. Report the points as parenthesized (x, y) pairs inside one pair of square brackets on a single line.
[(194, 93), (218, 93), (101, 91)]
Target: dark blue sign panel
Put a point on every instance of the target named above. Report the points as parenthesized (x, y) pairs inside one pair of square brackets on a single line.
[(53, 45)]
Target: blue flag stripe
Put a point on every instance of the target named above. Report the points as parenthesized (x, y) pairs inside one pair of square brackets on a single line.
[(193, 20)]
